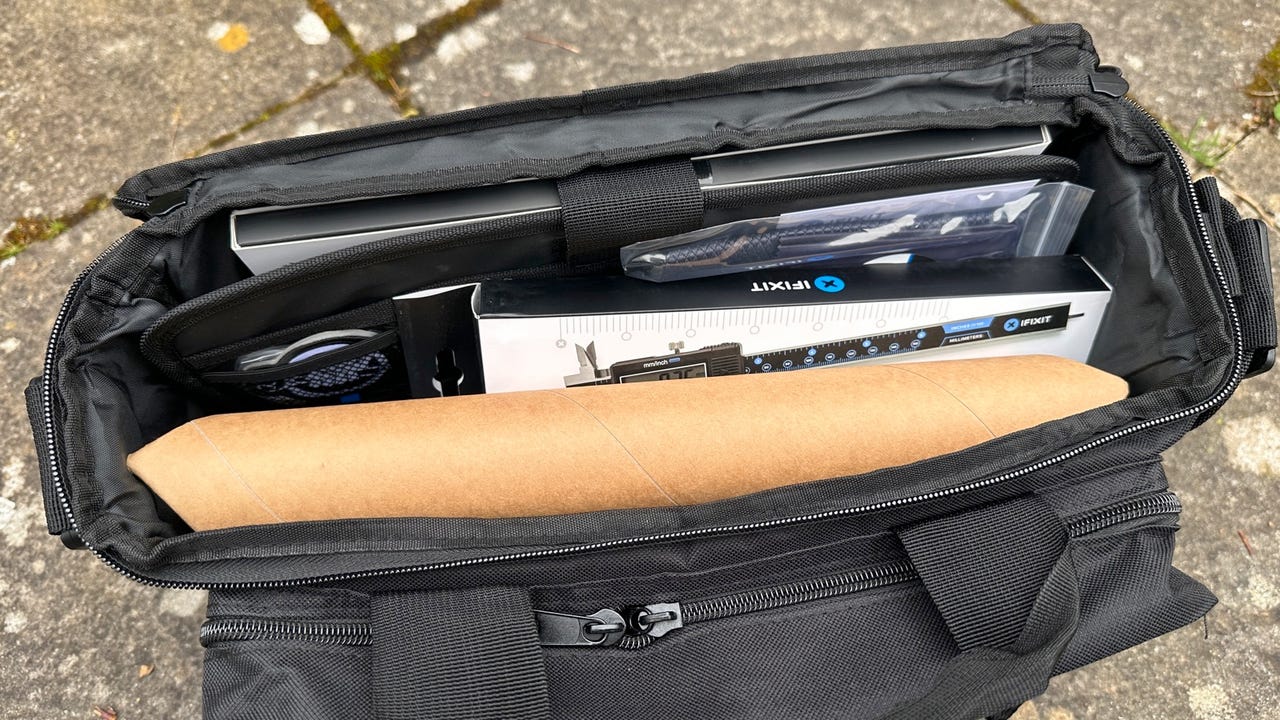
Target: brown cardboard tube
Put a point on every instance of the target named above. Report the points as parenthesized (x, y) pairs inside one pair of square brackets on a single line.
[(608, 447)]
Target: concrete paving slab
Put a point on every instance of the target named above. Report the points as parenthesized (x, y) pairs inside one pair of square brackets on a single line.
[(375, 23), (494, 58), (94, 93), (73, 633), (352, 102), (1185, 60), (1253, 169)]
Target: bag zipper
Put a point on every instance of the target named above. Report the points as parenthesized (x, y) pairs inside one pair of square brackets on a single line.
[(636, 627), (1238, 367)]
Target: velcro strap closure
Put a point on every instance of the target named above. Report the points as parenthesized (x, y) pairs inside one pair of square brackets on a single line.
[(605, 209)]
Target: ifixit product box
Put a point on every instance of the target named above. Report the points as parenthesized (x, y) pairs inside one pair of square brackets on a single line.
[(500, 336)]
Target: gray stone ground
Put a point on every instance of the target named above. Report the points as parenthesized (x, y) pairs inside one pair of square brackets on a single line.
[(91, 92)]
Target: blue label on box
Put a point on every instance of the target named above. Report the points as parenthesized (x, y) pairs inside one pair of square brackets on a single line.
[(967, 325)]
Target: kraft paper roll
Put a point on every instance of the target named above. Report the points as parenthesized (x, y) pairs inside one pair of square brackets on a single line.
[(634, 445)]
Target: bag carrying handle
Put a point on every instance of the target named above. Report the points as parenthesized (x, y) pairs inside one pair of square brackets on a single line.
[(1003, 579), (468, 654), (1001, 576)]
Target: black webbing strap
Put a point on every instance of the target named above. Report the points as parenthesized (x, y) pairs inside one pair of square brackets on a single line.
[(1003, 580), (1249, 265), (1256, 301), (457, 654), (611, 207), (984, 568)]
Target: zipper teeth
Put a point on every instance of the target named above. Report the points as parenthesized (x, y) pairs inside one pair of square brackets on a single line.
[(359, 633), (131, 201), (1165, 503), (1236, 375), (46, 397), (799, 592), (349, 633)]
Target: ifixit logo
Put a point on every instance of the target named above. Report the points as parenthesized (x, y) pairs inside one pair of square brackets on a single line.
[(825, 283), (771, 286), (1013, 324)]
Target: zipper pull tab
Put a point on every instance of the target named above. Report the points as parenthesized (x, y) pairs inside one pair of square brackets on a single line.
[(557, 629), (1108, 81), (654, 620), (164, 204)]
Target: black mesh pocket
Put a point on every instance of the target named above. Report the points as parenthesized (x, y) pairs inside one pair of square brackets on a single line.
[(360, 369), (343, 379)]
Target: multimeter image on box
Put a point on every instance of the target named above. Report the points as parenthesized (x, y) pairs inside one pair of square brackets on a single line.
[(510, 335)]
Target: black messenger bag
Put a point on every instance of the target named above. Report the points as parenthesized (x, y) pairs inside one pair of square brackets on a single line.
[(952, 587)]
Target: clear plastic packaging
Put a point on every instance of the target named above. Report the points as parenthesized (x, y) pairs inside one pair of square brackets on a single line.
[(992, 221)]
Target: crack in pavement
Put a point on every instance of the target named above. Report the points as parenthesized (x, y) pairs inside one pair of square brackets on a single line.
[(1024, 12), (384, 81), (382, 65), (32, 229)]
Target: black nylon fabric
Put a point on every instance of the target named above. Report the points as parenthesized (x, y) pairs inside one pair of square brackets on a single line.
[(283, 680), (1245, 256), (986, 680), (984, 591), (457, 655), (603, 210), (1248, 244), (1129, 592), (54, 516), (862, 655)]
